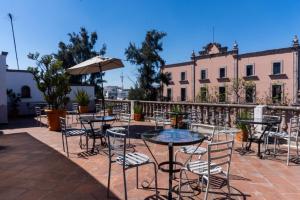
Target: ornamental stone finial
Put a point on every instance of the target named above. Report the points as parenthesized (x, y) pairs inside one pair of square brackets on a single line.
[(193, 54), (235, 45), (295, 41)]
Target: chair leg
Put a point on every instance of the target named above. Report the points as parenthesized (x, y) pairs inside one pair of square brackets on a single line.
[(125, 186), (228, 187), (137, 177), (207, 188), (67, 146), (63, 142), (288, 153), (108, 184), (155, 177), (179, 185), (87, 142), (175, 159)]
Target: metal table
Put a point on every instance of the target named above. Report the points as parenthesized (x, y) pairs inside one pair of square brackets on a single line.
[(268, 123), (92, 119), (171, 137)]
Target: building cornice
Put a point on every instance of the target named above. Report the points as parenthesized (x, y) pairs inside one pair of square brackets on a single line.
[(268, 52), (178, 64)]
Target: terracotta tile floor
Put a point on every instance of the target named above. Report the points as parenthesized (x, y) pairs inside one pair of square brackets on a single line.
[(34, 166)]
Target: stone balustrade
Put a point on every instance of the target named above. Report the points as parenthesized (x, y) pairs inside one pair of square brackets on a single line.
[(210, 113)]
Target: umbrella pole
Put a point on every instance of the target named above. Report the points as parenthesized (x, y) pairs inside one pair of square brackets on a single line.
[(102, 89)]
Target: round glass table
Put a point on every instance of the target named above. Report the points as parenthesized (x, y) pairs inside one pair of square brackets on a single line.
[(171, 138)]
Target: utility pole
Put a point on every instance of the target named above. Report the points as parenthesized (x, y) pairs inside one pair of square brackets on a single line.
[(122, 79), (13, 32)]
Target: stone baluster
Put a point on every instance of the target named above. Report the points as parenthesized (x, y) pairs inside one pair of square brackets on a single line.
[(213, 118), (234, 117), (284, 125), (205, 115), (227, 117), (199, 114)]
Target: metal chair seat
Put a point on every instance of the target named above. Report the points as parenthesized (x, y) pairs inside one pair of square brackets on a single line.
[(118, 129), (201, 167), (193, 150), (74, 132), (281, 134), (133, 159)]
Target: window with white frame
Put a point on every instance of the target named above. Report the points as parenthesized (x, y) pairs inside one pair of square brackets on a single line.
[(222, 72), (183, 76), (203, 74), (222, 94), (250, 94), (183, 94), (250, 70), (277, 68)]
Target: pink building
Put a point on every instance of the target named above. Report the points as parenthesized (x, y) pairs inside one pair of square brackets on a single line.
[(217, 74)]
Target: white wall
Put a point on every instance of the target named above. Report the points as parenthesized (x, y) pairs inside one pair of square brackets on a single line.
[(18, 78), (3, 96)]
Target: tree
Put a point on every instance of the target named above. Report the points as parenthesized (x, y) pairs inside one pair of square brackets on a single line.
[(51, 79), (80, 48), (150, 77)]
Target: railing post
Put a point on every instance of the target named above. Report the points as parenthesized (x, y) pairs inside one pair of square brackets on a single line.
[(284, 125), (199, 115), (234, 117), (205, 115), (227, 110), (213, 118), (132, 102)]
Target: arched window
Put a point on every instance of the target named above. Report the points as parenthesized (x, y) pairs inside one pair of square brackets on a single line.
[(25, 92)]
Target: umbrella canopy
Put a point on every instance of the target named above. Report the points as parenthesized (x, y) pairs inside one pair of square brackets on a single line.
[(95, 64)]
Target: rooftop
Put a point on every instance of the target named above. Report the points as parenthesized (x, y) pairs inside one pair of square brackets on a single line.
[(34, 166)]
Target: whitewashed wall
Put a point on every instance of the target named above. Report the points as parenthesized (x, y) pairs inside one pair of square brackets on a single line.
[(16, 79)]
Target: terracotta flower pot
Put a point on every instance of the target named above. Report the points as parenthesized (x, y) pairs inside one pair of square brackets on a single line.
[(53, 119), (241, 136), (109, 112), (178, 122), (137, 117), (83, 109)]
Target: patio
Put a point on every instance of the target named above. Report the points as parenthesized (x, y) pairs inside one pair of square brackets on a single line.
[(34, 166)]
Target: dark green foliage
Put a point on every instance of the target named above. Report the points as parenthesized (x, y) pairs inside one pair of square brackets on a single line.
[(149, 64), (82, 98), (80, 48), (51, 79), (14, 101), (137, 109)]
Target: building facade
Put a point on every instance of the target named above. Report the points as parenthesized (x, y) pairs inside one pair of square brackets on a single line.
[(219, 75)]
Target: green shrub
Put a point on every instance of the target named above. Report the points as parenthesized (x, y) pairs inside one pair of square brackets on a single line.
[(82, 98)]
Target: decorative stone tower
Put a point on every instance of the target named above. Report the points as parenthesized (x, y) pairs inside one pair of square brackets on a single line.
[(235, 52), (3, 95)]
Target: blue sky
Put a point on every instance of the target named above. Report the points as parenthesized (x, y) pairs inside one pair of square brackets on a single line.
[(254, 24)]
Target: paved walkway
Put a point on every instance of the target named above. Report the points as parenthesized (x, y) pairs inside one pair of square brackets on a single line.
[(33, 166)]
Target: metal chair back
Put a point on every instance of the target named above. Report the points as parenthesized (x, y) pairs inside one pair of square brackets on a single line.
[(38, 111), (116, 145), (294, 127), (219, 154), (63, 126)]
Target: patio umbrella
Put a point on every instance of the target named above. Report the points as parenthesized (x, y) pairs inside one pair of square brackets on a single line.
[(94, 65)]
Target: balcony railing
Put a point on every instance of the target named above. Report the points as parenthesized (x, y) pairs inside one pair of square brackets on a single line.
[(210, 113)]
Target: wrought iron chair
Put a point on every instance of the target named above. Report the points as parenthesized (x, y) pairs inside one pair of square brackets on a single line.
[(161, 119), (117, 153), (39, 115), (219, 155), (68, 132), (74, 110), (209, 131), (124, 125), (289, 137)]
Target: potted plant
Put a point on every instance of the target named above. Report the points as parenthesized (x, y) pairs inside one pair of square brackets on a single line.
[(53, 82), (176, 119), (242, 136), (109, 108), (83, 100), (138, 112), (14, 101)]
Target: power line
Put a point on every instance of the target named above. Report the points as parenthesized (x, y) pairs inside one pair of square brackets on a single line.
[(13, 32)]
